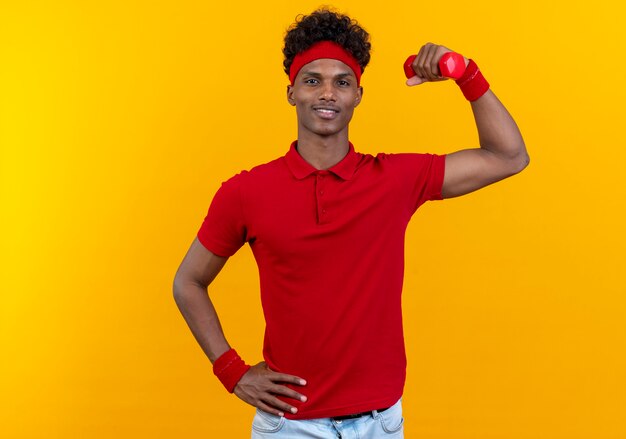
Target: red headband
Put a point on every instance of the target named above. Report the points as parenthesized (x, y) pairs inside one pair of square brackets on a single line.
[(324, 49)]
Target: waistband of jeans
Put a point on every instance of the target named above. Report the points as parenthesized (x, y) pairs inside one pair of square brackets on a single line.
[(358, 415)]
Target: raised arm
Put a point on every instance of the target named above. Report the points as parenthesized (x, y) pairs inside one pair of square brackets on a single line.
[(502, 151), (259, 385)]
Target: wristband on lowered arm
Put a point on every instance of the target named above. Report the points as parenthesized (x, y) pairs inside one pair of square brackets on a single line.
[(229, 368), (473, 84)]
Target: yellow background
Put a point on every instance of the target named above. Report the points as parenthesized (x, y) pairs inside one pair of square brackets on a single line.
[(120, 119)]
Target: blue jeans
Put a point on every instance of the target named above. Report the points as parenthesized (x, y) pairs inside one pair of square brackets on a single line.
[(388, 424)]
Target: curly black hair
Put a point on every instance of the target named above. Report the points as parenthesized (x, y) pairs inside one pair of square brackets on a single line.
[(325, 24)]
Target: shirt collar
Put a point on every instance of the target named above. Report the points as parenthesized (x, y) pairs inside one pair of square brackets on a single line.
[(300, 168)]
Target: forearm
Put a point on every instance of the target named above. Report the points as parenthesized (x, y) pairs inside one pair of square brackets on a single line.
[(199, 313), (497, 131), (258, 386)]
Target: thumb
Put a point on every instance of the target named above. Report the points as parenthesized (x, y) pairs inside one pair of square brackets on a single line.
[(415, 80)]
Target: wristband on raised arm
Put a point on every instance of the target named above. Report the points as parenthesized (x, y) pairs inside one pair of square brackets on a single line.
[(473, 84)]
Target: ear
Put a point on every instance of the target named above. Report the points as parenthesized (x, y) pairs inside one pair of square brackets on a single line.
[(290, 98), (359, 96)]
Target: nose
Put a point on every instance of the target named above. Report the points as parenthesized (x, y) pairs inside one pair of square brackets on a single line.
[(327, 92)]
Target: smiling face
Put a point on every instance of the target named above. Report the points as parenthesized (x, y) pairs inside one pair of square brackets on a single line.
[(325, 93)]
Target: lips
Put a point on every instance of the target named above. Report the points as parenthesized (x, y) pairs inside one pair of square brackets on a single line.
[(326, 112)]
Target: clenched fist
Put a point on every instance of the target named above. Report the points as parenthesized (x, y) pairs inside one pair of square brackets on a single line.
[(426, 64)]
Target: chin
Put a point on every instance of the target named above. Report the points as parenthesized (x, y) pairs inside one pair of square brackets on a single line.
[(328, 130), (327, 133), (324, 129)]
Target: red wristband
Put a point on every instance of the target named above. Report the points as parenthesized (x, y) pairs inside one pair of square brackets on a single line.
[(473, 84), (229, 368)]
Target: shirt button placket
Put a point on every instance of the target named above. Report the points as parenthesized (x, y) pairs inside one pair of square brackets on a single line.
[(319, 196)]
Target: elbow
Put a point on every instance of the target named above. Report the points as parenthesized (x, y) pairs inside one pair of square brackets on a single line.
[(177, 289), (180, 289), (521, 162), (185, 288)]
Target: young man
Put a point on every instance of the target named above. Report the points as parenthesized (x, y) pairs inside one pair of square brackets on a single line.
[(326, 226)]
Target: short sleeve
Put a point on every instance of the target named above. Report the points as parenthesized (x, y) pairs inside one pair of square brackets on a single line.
[(223, 230), (420, 174)]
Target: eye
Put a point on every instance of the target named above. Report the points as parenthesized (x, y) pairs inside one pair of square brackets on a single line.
[(311, 81), (343, 83)]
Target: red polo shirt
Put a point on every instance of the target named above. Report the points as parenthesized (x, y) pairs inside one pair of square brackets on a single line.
[(330, 250)]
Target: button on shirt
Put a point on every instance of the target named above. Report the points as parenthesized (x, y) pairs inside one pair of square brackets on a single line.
[(329, 245)]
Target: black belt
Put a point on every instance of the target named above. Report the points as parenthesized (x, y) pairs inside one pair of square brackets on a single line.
[(357, 415)]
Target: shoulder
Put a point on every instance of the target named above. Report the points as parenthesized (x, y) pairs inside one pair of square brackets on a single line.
[(403, 156), (401, 160), (256, 174), (271, 168), (412, 160)]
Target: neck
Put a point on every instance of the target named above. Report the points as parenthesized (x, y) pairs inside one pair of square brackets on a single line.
[(323, 152)]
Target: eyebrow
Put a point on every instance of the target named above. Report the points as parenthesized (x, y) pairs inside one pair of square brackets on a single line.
[(319, 75)]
